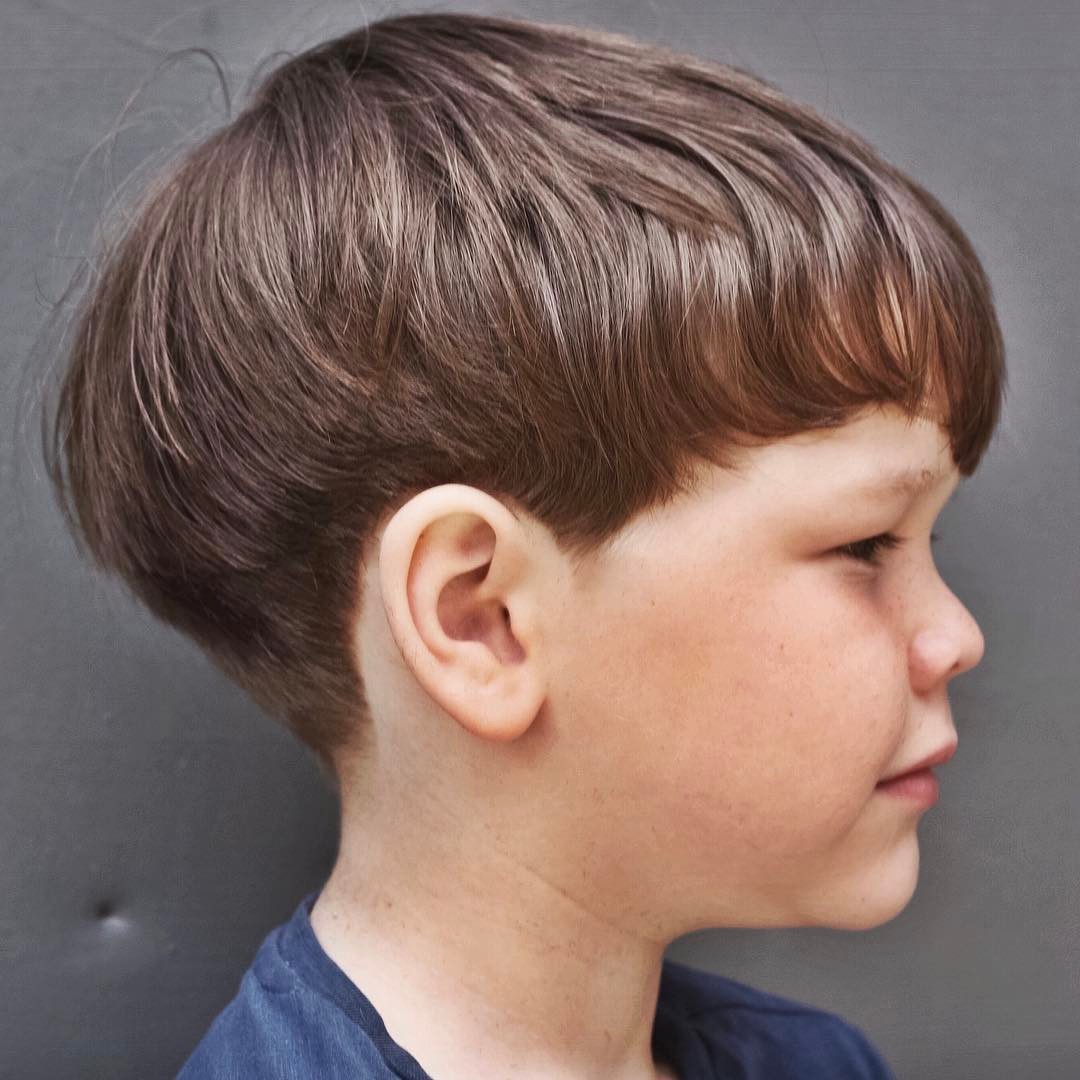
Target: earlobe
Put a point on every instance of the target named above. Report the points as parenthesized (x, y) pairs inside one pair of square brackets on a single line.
[(460, 596)]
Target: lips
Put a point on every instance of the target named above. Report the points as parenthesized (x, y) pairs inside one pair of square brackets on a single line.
[(938, 757)]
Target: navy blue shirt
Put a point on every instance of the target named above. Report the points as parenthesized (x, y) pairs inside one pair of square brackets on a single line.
[(298, 1016)]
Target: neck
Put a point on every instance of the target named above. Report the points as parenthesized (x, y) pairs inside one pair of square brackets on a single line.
[(472, 955)]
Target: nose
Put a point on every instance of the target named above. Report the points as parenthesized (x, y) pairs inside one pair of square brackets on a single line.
[(952, 644), (967, 635)]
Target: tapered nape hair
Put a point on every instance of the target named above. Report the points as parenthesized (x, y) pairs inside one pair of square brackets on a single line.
[(560, 265)]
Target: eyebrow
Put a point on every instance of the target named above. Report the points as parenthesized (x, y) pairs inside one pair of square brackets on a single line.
[(898, 482)]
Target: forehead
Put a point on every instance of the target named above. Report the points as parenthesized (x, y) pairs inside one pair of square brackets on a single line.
[(881, 455), (794, 479), (884, 452)]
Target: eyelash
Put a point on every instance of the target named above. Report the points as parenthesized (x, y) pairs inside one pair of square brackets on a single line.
[(870, 550)]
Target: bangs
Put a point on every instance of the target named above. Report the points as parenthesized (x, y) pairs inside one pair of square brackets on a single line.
[(865, 293)]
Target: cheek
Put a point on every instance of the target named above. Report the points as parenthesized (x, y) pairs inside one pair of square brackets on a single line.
[(756, 711), (782, 702)]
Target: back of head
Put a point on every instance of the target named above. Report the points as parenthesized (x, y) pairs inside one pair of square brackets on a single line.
[(556, 264)]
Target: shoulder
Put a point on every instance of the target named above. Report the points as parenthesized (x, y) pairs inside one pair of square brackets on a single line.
[(240, 1034), (782, 1038), (282, 1034)]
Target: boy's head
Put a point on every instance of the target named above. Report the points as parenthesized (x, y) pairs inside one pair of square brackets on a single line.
[(489, 400), (710, 700)]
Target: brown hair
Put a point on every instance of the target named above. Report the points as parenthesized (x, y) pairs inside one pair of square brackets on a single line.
[(557, 264)]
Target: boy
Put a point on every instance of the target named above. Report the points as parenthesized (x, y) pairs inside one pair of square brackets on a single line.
[(549, 428)]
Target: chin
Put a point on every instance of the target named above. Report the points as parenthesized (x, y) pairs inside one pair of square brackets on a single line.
[(871, 916), (873, 896)]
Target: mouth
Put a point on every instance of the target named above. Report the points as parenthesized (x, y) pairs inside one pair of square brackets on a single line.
[(938, 757), (920, 785)]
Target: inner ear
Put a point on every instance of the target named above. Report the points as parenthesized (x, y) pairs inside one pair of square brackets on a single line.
[(458, 610)]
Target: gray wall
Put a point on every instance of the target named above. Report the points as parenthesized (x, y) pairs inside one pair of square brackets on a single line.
[(154, 825)]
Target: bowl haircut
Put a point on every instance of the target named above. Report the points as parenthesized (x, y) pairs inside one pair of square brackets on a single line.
[(558, 264)]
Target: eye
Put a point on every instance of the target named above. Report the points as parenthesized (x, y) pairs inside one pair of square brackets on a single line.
[(870, 550)]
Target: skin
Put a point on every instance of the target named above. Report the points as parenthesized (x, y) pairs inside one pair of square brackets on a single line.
[(575, 765)]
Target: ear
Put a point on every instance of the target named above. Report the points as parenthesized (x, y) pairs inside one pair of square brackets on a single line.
[(461, 583)]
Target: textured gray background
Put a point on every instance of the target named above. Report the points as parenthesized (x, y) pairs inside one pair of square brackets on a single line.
[(155, 825)]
